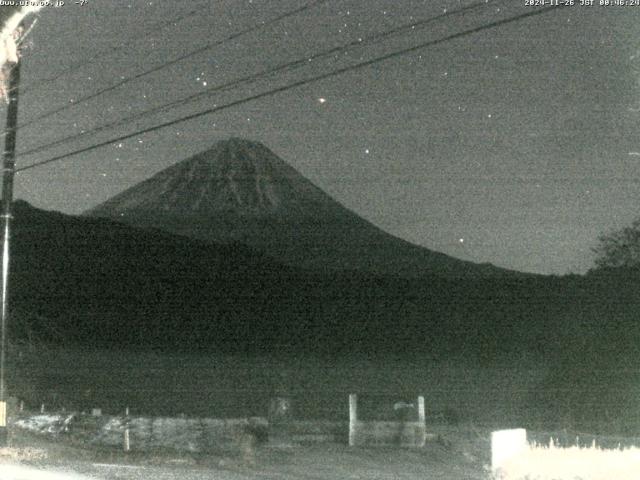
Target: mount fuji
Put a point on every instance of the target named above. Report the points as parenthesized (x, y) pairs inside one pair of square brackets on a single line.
[(240, 191)]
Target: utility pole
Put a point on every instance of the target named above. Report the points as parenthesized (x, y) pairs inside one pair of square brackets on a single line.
[(8, 172)]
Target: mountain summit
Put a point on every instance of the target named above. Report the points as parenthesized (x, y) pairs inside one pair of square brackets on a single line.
[(241, 191), (234, 176)]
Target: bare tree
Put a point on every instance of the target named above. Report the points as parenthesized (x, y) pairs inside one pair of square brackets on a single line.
[(620, 248)]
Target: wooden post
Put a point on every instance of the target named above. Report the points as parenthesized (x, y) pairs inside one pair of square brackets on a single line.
[(353, 418)]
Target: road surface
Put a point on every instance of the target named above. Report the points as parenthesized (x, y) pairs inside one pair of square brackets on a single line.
[(313, 463)]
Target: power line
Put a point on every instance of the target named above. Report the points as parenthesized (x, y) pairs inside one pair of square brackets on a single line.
[(303, 61), (173, 62), (497, 23), (109, 51)]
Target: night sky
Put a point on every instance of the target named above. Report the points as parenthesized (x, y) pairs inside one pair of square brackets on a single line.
[(516, 145)]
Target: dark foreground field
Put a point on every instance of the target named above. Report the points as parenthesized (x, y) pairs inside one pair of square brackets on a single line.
[(574, 393), (222, 386)]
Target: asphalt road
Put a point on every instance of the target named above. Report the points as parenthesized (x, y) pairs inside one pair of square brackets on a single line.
[(312, 465), (119, 472), (463, 457)]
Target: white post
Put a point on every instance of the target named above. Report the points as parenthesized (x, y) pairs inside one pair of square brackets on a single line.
[(42, 408), (421, 415), (3, 414), (422, 418), (353, 418), (505, 444), (127, 444)]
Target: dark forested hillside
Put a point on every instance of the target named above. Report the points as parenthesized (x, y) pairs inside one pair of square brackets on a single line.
[(97, 282)]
